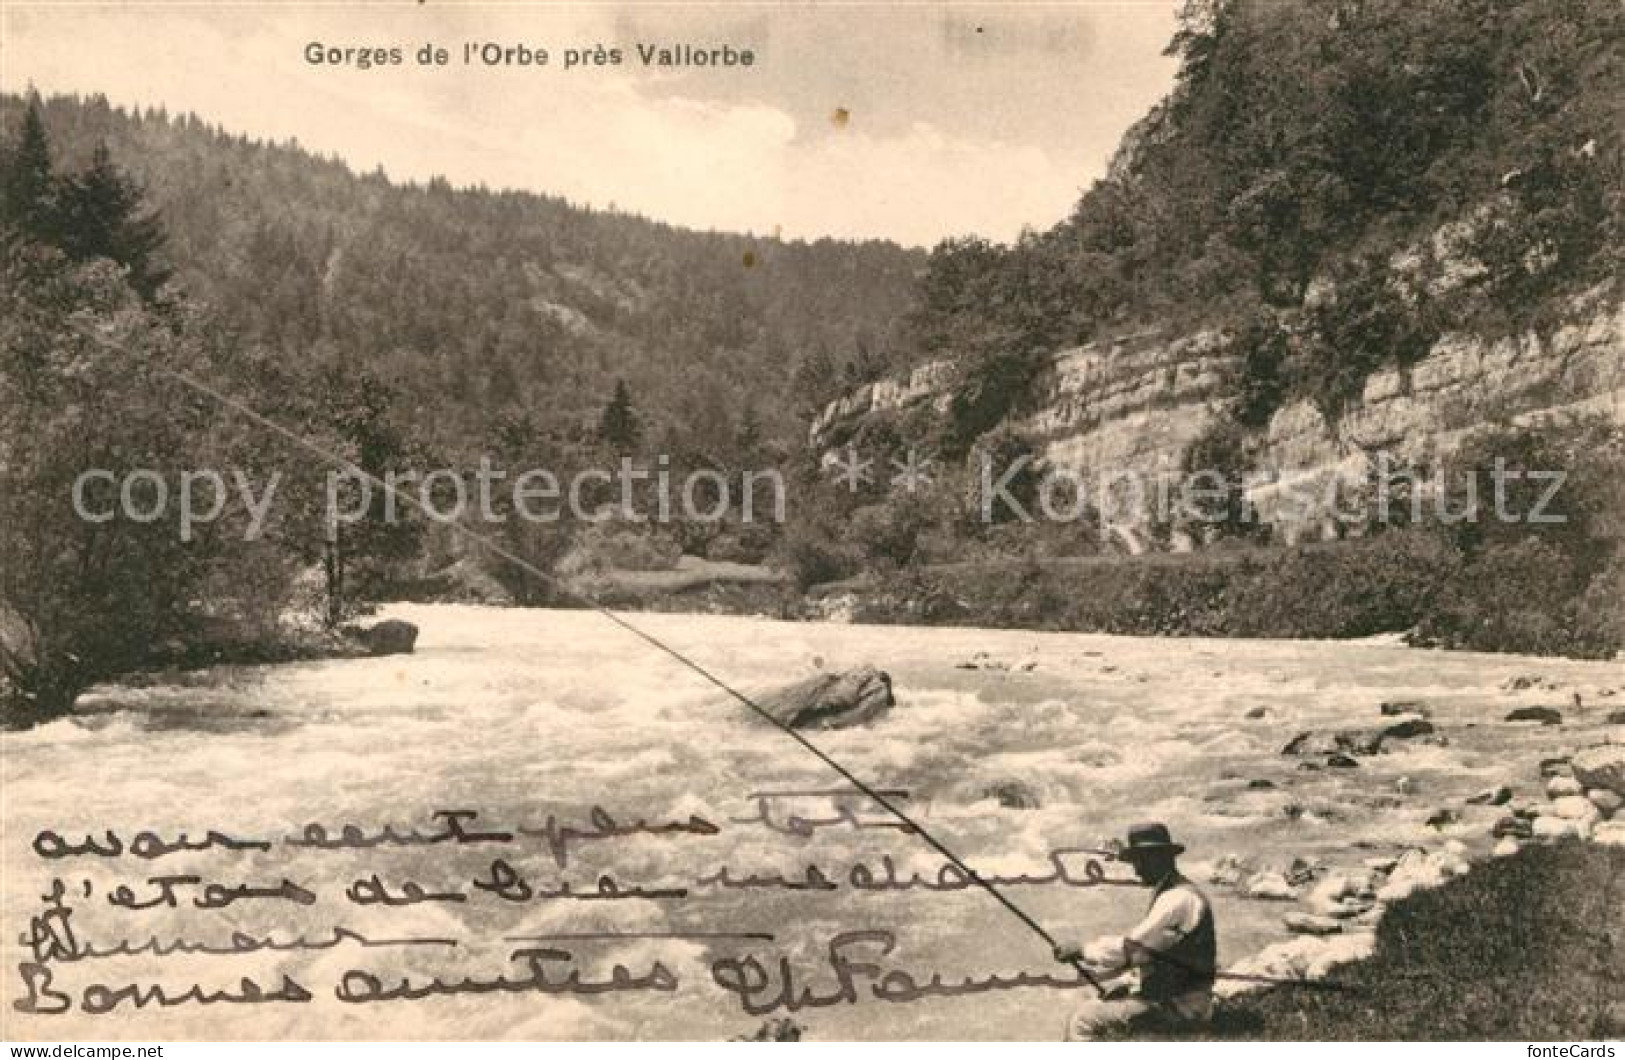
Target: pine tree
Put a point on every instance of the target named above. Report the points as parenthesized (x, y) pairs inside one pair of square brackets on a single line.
[(619, 426), (28, 207), (104, 215)]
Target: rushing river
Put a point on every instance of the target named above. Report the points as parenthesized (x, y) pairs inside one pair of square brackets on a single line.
[(526, 715)]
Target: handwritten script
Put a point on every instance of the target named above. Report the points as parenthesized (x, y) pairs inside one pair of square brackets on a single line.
[(360, 895)]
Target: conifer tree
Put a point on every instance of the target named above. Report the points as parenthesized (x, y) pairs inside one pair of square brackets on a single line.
[(28, 207), (619, 426), (104, 215)]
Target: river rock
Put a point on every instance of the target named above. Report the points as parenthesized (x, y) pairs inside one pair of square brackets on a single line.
[(1013, 794), (1491, 797), (1403, 707), (1227, 871), (1305, 957), (1420, 870), (1556, 767), (1542, 715), (1310, 924), (1558, 787), (1341, 761), (389, 637), (1268, 887), (1342, 895), (1442, 818), (1615, 717), (1513, 828), (1606, 801), (1506, 848), (1549, 828), (1611, 833), (1524, 682), (1408, 729), (1319, 743), (1601, 767), (832, 701), (1256, 713), (1575, 808)]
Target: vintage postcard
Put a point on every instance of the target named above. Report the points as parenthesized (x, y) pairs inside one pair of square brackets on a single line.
[(812, 522)]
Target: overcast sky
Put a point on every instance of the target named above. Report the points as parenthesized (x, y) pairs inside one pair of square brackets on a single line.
[(960, 118)]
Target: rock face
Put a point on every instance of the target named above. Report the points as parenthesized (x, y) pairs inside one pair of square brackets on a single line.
[(832, 701), (1130, 407), (1601, 767), (389, 637)]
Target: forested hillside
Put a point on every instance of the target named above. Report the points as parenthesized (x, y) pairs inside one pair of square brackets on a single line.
[(475, 303), (1335, 182)]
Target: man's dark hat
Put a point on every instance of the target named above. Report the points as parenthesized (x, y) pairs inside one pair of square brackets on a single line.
[(1149, 838)]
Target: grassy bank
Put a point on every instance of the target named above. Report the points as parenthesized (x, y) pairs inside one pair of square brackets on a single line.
[(1529, 947), (1331, 590)]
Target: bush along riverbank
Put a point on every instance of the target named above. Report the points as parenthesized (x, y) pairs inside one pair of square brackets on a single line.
[(1412, 582), (220, 643), (1526, 945)]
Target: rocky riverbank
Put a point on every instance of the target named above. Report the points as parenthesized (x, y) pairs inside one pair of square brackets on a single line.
[(1338, 911)]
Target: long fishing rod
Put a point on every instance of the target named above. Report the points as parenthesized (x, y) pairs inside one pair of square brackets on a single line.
[(594, 604)]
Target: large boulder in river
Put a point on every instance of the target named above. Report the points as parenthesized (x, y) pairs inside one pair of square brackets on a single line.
[(1601, 767), (1542, 715), (832, 701), (389, 637), (1355, 741)]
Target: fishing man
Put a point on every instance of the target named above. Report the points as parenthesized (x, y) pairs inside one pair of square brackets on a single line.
[(1174, 949)]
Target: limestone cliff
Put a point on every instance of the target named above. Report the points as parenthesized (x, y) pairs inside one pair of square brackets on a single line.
[(1131, 407)]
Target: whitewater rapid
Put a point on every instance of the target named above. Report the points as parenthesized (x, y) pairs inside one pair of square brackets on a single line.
[(522, 715)]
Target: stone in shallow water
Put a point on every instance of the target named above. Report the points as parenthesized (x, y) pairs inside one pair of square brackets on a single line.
[(1491, 797), (1013, 794), (1575, 808), (1419, 870), (1408, 729), (1269, 887), (1443, 818), (1610, 834), (1513, 826), (1305, 957), (1606, 801), (1601, 767), (1506, 848), (1555, 828), (832, 701), (1558, 787), (1342, 894), (1402, 707), (389, 637), (1555, 767), (1310, 924), (1543, 715)]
